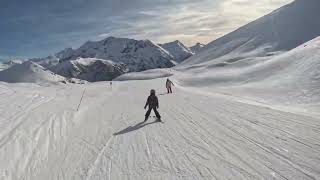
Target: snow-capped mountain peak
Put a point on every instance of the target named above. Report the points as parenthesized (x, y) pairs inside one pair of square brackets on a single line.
[(138, 55), (28, 71), (90, 69), (281, 30), (197, 48), (178, 50), (65, 54), (122, 54)]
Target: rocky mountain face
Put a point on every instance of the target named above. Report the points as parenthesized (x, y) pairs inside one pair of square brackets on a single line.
[(197, 48), (90, 69), (178, 50), (136, 55), (107, 59)]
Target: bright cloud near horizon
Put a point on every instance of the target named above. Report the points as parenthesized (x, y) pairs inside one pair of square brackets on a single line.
[(37, 28)]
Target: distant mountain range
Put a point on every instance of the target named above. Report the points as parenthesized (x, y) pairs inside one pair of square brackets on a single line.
[(90, 69), (136, 55), (111, 57)]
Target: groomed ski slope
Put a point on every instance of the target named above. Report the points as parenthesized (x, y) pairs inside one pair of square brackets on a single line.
[(203, 137)]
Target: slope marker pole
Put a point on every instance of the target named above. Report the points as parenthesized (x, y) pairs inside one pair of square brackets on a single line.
[(81, 99)]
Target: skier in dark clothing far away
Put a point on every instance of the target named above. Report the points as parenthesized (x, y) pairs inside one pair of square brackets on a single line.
[(153, 104), (168, 85)]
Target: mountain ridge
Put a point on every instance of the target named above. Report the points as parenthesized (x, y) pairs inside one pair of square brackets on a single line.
[(178, 50), (281, 30)]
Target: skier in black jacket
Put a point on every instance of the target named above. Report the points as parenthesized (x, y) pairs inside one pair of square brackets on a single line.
[(153, 104)]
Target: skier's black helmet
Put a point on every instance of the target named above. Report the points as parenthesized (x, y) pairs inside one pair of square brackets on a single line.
[(152, 92)]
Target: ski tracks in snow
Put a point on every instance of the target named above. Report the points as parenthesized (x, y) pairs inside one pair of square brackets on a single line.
[(202, 137)]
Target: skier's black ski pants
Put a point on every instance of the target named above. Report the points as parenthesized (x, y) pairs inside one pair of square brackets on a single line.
[(155, 111)]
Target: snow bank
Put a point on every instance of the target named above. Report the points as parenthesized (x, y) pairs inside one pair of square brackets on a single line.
[(28, 72), (145, 75)]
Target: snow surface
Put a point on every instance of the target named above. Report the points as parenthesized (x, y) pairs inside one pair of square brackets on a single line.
[(3, 66), (288, 79), (179, 51), (243, 108), (281, 30), (253, 62), (43, 136), (145, 75), (28, 72)]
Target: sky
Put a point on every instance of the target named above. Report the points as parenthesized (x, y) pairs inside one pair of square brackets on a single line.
[(38, 28)]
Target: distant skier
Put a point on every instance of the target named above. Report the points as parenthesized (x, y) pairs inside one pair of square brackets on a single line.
[(169, 84), (153, 104)]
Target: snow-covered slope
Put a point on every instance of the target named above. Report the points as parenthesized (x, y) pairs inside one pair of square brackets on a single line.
[(179, 51), (90, 69), (13, 62), (3, 66), (282, 30), (137, 55), (7, 64), (197, 48), (46, 135), (28, 72), (145, 75), (292, 78)]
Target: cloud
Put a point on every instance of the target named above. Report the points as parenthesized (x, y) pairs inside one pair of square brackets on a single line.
[(41, 27), (193, 21)]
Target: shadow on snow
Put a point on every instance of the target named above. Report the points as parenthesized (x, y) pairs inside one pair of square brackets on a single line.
[(133, 128), (162, 94)]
